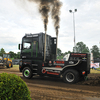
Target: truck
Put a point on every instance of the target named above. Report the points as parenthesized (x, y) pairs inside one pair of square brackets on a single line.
[(73, 68), (5, 60)]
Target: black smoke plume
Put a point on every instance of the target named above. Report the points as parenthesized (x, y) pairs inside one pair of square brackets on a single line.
[(53, 6), (44, 9), (55, 14)]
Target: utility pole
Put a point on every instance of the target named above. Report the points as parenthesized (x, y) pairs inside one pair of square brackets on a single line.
[(75, 10)]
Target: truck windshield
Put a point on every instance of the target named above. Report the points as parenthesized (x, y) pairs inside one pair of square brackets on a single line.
[(27, 43)]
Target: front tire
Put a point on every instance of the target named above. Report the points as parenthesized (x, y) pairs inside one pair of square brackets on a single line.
[(71, 76), (8, 64), (27, 72)]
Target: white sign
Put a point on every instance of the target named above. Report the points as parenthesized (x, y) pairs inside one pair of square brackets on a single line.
[(94, 65)]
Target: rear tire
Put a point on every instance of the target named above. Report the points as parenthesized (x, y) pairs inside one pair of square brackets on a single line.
[(8, 64), (27, 72), (71, 76)]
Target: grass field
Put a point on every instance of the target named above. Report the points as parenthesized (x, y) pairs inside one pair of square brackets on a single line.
[(16, 67), (95, 71)]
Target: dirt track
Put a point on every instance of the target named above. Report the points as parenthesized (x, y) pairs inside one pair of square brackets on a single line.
[(48, 88)]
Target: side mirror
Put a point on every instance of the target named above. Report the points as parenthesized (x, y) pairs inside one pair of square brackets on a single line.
[(19, 46)]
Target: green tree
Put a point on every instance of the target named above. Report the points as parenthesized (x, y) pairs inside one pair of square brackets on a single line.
[(95, 51), (18, 55), (58, 52), (12, 54), (60, 55), (2, 51), (69, 51), (66, 53), (81, 48)]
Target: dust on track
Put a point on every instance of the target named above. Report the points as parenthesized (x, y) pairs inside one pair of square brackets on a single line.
[(49, 88)]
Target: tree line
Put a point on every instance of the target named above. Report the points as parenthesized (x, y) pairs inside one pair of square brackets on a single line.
[(12, 54), (80, 48)]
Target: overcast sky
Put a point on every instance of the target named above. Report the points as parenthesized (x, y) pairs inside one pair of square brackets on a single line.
[(18, 17)]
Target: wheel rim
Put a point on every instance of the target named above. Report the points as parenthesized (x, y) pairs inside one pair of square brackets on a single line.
[(26, 73), (9, 64), (70, 77)]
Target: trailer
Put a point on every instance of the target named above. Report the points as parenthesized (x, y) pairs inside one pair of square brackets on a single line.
[(72, 68)]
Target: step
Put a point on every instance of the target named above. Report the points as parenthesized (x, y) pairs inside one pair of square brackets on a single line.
[(53, 68), (34, 69), (34, 73)]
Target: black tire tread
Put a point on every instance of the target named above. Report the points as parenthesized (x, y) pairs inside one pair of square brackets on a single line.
[(31, 74), (76, 74)]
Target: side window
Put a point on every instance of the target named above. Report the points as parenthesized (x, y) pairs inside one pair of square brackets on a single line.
[(27, 42), (27, 46)]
